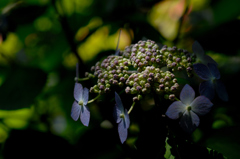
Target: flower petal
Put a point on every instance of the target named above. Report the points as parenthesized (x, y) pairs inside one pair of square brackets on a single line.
[(119, 102), (75, 112), (187, 95), (214, 70), (221, 90), (208, 59), (189, 121), (206, 88), (198, 50), (85, 115), (201, 105), (116, 114), (122, 131), (78, 92), (175, 110), (202, 71), (126, 118), (85, 96)]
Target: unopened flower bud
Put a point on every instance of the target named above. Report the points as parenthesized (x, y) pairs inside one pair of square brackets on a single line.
[(139, 88), (92, 68), (127, 90), (171, 97), (115, 82), (149, 79), (173, 89), (180, 68), (152, 59), (139, 97), (120, 84), (161, 86), (189, 69), (166, 96), (151, 75), (135, 99), (133, 90), (107, 90), (178, 60)]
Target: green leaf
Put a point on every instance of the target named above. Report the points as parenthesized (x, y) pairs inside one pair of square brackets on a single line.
[(168, 154), (21, 87)]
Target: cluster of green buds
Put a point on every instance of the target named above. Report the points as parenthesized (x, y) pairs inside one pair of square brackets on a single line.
[(152, 79), (139, 70), (111, 71)]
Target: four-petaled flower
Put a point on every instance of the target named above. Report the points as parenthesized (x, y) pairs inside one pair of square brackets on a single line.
[(122, 118), (201, 56), (211, 75), (189, 108), (79, 107)]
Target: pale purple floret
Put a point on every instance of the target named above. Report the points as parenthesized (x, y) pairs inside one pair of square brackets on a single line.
[(79, 107), (201, 56), (189, 108), (122, 118), (211, 75)]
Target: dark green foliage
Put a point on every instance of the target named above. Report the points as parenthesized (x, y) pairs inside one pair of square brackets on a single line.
[(21, 87)]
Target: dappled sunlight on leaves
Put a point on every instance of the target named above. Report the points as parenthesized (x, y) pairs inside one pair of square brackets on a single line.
[(101, 41), (165, 17)]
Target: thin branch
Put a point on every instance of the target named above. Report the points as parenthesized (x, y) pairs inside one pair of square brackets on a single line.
[(70, 37), (181, 21)]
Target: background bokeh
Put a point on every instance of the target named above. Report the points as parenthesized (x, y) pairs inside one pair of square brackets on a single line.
[(39, 41)]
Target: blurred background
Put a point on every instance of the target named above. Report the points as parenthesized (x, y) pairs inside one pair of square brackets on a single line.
[(41, 42)]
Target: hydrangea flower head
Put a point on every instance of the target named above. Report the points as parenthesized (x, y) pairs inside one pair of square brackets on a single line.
[(79, 107), (189, 108), (201, 56), (211, 75), (122, 118)]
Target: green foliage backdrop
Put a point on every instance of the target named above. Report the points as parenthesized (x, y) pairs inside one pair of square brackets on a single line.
[(42, 40)]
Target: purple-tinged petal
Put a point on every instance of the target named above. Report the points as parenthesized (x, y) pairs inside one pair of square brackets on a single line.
[(122, 131), (202, 71), (221, 90), (198, 50), (187, 95), (201, 105), (214, 70), (176, 109), (75, 112), (189, 121), (85, 115), (78, 92), (126, 118), (85, 96), (208, 59), (116, 114), (206, 88), (119, 102)]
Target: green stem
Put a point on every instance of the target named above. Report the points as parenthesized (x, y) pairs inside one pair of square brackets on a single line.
[(94, 99), (81, 79), (177, 99), (129, 111)]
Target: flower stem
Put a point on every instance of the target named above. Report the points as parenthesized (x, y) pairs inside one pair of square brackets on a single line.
[(94, 99), (81, 79), (129, 111), (177, 99)]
